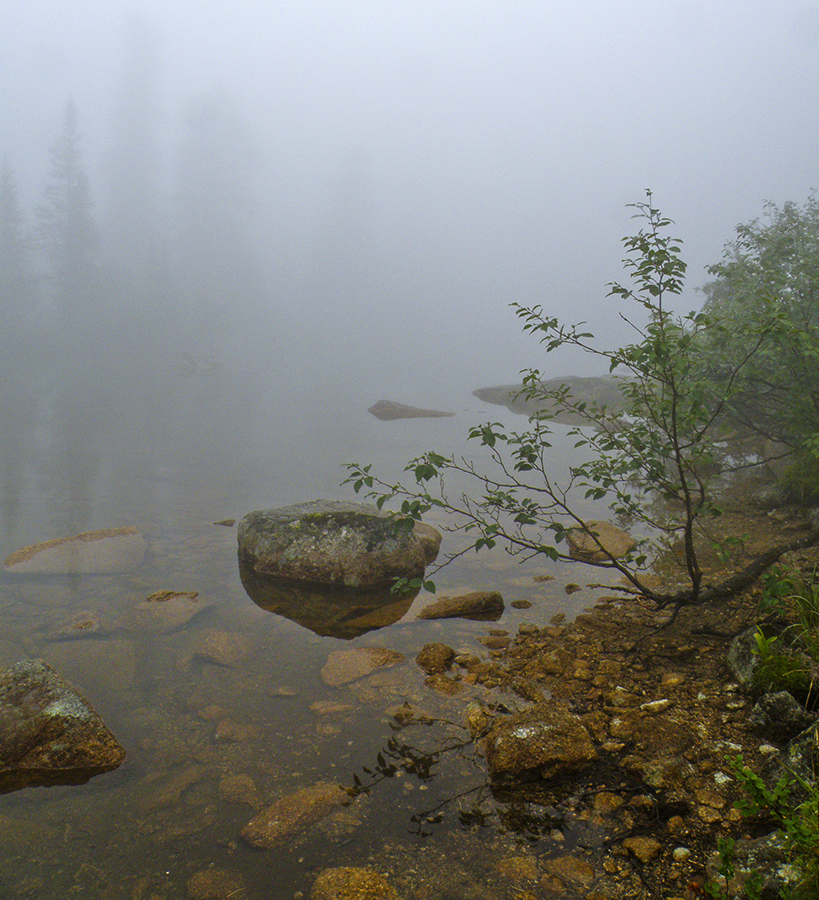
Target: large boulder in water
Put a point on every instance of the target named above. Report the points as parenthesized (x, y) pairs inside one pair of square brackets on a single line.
[(48, 733), (332, 542)]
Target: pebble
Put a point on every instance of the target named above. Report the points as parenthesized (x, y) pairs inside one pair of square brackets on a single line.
[(644, 848), (653, 707)]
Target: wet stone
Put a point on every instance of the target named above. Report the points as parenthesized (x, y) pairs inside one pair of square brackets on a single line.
[(280, 822), (546, 741), (229, 730), (644, 848), (164, 612), (111, 550), (479, 605), (570, 870), (601, 541), (216, 884), (49, 734), (519, 868), (435, 658), (221, 648), (345, 666), (240, 789), (81, 624), (349, 883), (443, 684)]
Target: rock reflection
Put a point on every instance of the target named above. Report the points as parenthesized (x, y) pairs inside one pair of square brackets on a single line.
[(343, 613)]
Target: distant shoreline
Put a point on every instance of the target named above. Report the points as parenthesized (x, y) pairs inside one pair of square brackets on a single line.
[(602, 390)]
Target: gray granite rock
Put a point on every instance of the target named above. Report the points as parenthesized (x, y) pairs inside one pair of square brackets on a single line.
[(330, 542), (49, 734)]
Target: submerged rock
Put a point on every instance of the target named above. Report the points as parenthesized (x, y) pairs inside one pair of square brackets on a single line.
[(387, 410), (331, 542), (166, 611), (481, 605), (49, 734), (604, 538), (110, 551), (216, 884), (347, 883), (344, 666), (292, 814)]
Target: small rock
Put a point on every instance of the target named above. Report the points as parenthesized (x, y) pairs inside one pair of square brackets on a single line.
[(779, 717), (221, 648), (240, 789), (546, 741), (601, 541), (349, 883), (519, 868), (644, 848), (330, 708), (228, 523), (166, 611), (443, 684), (521, 604), (570, 870), (216, 884), (81, 624), (606, 803), (435, 658), (477, 718), (235, 732), (479, 605), (292, 814), (653, 707), (49, 734), (344, 666)]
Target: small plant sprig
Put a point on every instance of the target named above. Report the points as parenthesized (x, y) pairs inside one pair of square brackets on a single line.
[(797, 822)]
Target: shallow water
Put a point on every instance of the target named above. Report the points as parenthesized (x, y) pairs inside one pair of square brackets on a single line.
[(204, 450)]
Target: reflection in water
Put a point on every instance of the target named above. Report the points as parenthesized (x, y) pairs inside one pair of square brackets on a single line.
[(328, 611)]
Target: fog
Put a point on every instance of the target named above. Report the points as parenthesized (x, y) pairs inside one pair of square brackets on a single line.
[(334, 203), (400, 172), (227, 229)]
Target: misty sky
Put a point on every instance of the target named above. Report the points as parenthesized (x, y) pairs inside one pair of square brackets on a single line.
[(488, 148)]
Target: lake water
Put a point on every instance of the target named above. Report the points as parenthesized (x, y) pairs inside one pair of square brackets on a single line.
[(199, 447)]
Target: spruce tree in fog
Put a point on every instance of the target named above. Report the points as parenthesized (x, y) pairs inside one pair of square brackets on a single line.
[(17, 288), (130, 217), (216, 173), (66, 229)]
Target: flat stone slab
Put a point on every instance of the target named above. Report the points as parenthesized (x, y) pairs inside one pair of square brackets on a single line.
[(49, 734), (333, 542), (105, 552), (388, 410)]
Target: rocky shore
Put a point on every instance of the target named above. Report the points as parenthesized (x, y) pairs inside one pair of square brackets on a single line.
[(654, 794), (640, 794)]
